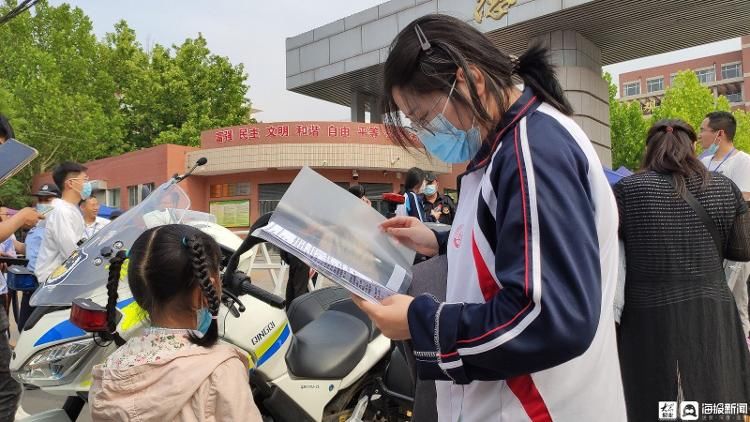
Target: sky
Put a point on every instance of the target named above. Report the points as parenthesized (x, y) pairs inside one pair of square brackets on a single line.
[(254, 32)]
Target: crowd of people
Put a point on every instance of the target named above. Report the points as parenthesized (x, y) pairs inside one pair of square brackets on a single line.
[(528, 330), (61, 218)]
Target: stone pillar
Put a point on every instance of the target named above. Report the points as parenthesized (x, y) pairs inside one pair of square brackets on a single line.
[(579, 70), (358, 107), (374, 104)]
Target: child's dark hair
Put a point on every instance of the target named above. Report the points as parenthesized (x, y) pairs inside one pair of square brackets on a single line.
[(414, 179), (166, 263), (430, 65)]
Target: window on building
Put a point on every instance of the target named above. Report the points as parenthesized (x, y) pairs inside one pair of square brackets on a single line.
[(706, 76), (269, 196), (631, 88), (133, 196), (147, 189), (730, 71), (671, 79), (655, 85), (734, 95), (113, 198), (375, 193)]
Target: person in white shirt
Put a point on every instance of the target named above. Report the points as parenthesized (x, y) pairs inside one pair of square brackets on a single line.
[(717, 137), (94, 223), (65, 225)]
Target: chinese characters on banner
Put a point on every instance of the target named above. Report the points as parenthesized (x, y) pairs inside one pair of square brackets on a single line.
[(250, 133)]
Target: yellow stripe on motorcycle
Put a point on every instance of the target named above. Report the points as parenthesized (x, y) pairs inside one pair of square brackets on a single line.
[(269, 342), (132, 316)]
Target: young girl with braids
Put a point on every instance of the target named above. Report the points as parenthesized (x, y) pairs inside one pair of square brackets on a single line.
[(174, 370)]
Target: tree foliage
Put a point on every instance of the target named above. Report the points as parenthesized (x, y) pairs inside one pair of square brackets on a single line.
[(627, 128), (73, 97), (688, 100)]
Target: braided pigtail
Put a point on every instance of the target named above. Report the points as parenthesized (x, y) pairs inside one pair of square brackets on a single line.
[(203, 278), (115, 266)]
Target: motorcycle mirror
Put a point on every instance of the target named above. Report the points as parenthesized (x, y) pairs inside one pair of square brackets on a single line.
[(201, 162)]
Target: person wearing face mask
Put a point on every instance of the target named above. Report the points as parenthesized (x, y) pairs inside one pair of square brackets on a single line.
[(527, 329), (437, 208), (46, 194), (65, 225), (717, 138)]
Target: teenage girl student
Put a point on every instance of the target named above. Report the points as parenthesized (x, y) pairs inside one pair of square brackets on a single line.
[(526, 331), (174, 371)]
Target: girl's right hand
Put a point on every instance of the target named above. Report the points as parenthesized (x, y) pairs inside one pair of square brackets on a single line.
[(413, 234)]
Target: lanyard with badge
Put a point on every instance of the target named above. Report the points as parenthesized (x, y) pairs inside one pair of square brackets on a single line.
[(89, 231), (722, 161)]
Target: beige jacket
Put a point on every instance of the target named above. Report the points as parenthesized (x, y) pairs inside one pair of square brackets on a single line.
[(198, 384)]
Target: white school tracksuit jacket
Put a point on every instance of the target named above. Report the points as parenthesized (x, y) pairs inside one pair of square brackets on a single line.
[(527, 331)]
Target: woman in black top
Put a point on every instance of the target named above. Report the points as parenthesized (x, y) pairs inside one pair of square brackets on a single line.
[(680, 333)]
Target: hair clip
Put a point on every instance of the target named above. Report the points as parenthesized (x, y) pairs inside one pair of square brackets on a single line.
[(422, 38), (184, 241)]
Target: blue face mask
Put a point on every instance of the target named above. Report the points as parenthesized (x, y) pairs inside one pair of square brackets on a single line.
[(430, 190), (714, 146), (86, 191), (449, 143), (43, 208), (204, 320)]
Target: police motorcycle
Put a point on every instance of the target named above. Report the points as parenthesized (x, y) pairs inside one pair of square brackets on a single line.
[(321, 359)]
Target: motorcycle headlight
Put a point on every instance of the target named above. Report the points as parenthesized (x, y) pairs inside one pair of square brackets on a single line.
[(51, 366)]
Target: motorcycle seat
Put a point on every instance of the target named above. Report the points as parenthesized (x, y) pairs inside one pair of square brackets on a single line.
[(328, 347), (309, 306)]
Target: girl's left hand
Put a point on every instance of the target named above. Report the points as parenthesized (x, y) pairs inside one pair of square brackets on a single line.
[(390, 316)]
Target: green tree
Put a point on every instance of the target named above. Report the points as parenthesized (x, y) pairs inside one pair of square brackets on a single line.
[(628, 130), (742, 138), (169, 97), (688, 100), (74, 97), (57, 97)]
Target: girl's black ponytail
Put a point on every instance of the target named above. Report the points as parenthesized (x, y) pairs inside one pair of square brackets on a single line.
[(203, 277), (538, 74), (115, 266)]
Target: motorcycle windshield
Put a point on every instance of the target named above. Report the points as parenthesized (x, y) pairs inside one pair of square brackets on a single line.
[(86, 270)]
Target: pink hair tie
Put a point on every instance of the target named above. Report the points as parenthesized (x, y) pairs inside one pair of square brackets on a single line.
[(670, 129)]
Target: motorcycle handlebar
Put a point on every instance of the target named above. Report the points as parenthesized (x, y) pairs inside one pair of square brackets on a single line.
[(264, 296)]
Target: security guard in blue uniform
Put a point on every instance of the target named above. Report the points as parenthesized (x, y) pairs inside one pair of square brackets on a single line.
[(437, 208)]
